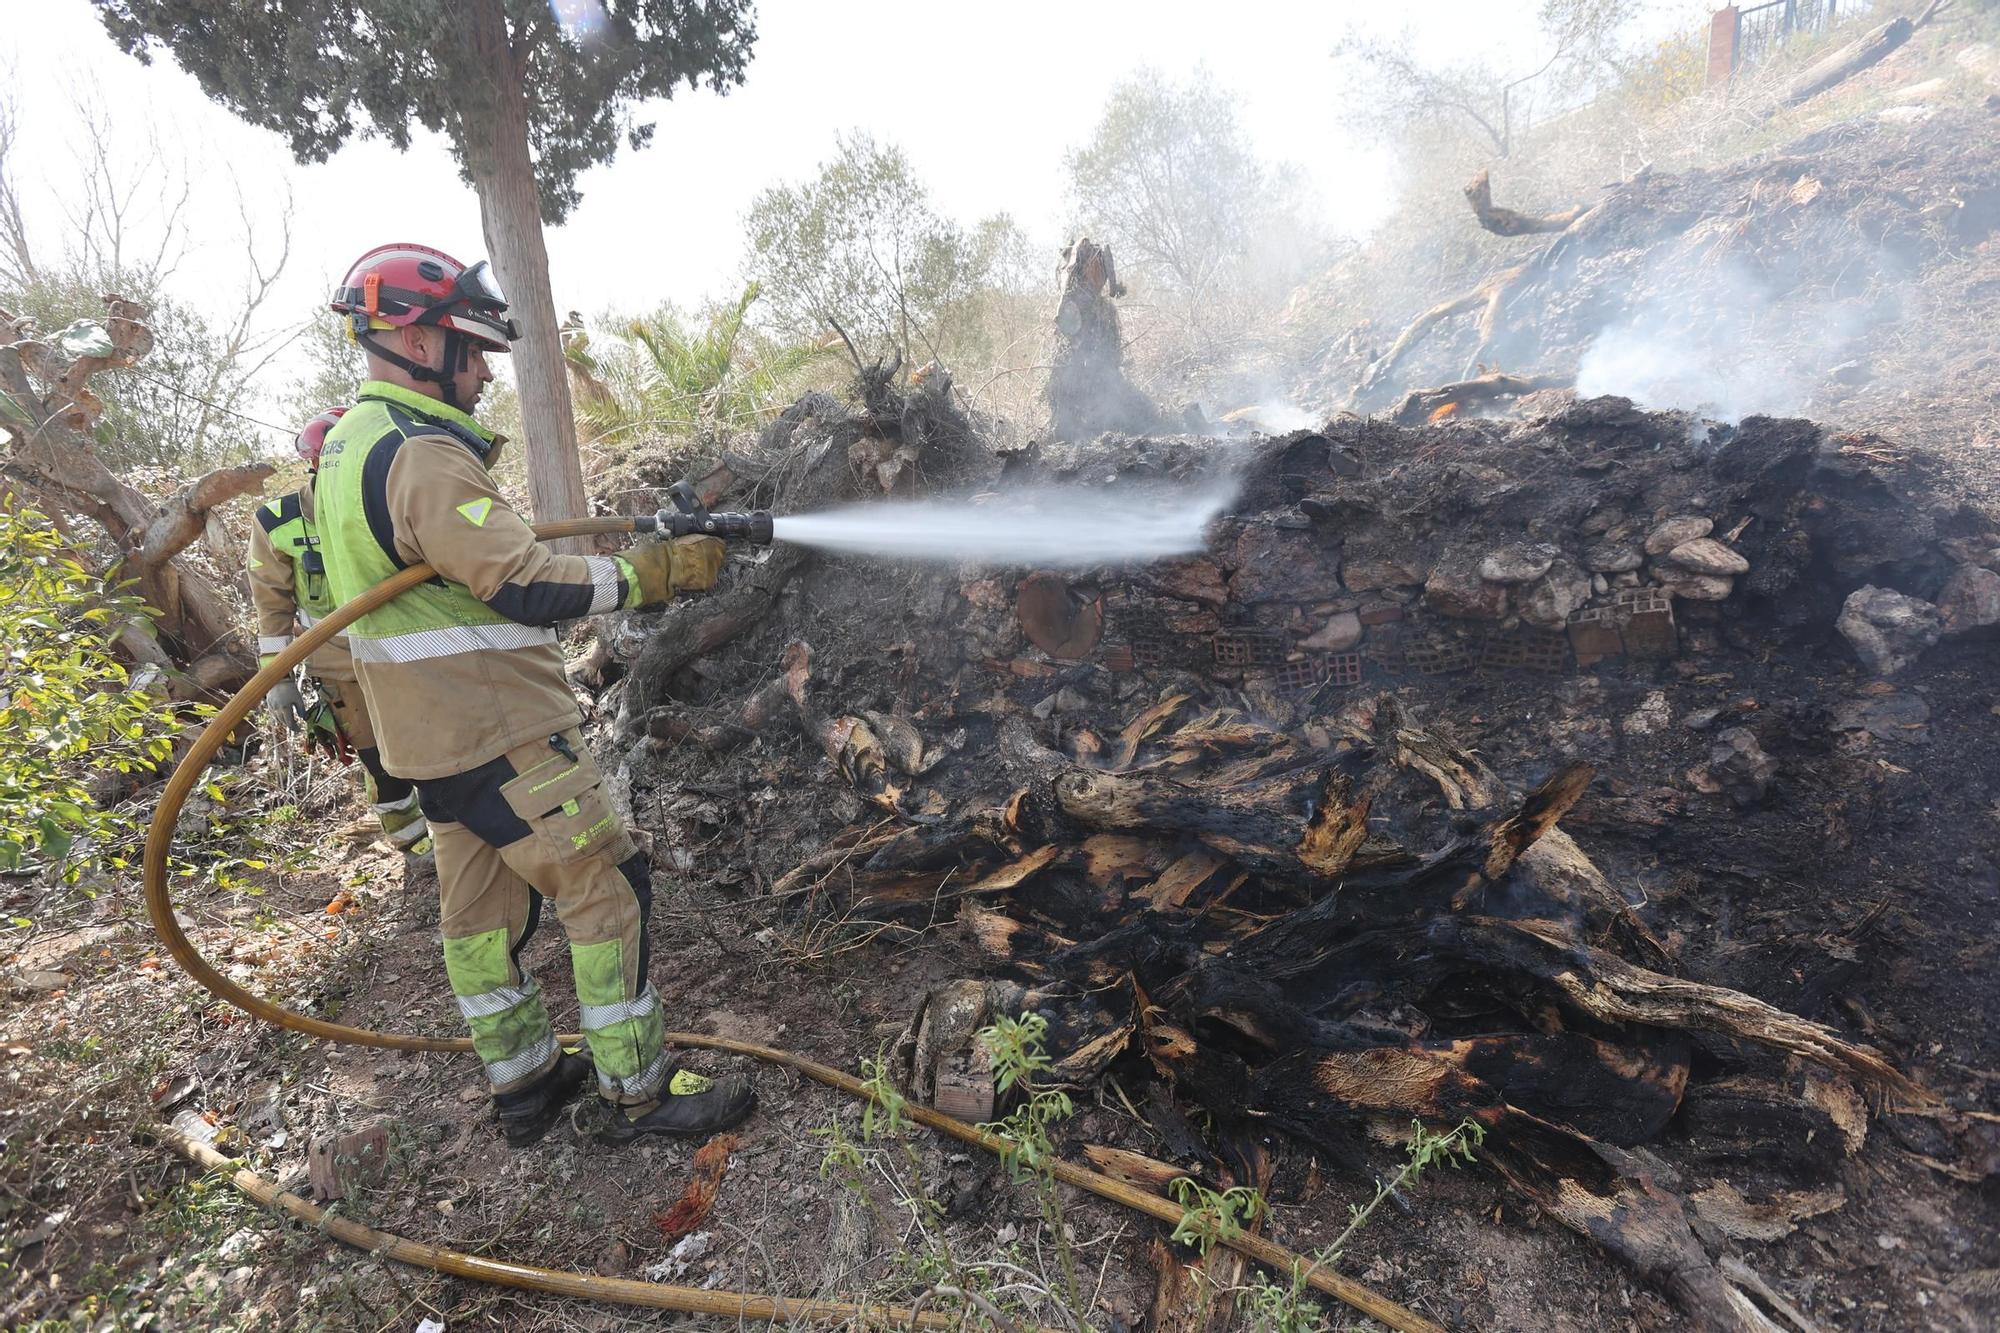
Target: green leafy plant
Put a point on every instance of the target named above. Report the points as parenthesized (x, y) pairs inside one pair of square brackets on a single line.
[(73, 724), (665, 374), (1288, 1308), (1026, 1146), (882, 1115), (1209, 1218)]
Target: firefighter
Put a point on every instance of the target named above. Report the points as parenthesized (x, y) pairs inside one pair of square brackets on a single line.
[(464, 676), (288, 591)]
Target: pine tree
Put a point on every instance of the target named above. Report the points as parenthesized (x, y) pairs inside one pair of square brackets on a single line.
[(529, 93)]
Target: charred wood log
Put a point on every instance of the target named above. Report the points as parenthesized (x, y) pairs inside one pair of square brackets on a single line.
[(1063, 621), (1179, 903), (1425, 405), (1195, 1293), (1290, 813), (1611, 990), (1507, 222), (1606, 1196), (671, 724), (692, 630)]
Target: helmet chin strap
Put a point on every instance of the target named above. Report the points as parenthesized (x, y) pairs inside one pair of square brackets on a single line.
[(457, 354)]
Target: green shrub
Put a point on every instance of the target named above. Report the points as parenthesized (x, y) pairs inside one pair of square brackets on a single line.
[(70, 720)]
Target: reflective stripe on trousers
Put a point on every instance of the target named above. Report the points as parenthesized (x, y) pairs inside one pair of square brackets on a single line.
[(510, 1028)]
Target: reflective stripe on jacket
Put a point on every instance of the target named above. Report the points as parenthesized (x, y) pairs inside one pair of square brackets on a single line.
[(466, 667), (288, 584)]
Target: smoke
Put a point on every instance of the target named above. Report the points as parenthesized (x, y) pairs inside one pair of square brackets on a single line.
[(1056, 528), (1277, 416), (1728, 342)]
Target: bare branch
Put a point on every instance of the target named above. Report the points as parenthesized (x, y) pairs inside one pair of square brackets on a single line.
[(17, 261), (182, 518)]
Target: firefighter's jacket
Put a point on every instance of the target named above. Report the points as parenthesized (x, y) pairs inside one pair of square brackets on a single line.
[(288, 584), (466, 667)]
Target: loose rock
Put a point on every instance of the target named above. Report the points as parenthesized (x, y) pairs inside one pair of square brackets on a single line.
[(1374, 567), (1970, 600), (1891, 717), (1613, 557), (1651, 717), (1740, 766), (1677, 531), (1455, 589), (1551, 600), (1341, 632), (1693, 587), (1518, 564), (1273, 562), (1706, 555), (1888, 629)]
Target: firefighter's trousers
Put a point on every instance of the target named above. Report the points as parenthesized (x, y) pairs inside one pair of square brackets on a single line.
[(536, 823), (394, 798)]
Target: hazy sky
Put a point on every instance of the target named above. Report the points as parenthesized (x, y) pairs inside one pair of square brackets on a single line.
[(984, 98)]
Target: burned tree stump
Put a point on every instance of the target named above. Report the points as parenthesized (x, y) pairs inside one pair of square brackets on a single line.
[(1286, 935), (1087, 390), (1063, 621)]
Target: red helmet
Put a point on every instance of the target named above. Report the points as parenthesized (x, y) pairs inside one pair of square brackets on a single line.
[(395, 285), (313, 438)]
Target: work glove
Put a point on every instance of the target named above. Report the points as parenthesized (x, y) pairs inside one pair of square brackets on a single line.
[(685, 564), (285, 704)]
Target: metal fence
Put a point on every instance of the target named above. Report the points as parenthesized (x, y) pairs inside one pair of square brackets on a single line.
[(1762, 29)]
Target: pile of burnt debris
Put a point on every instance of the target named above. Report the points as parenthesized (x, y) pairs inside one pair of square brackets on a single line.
[(1213, 819)]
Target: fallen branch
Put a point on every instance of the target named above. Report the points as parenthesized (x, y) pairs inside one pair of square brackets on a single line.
[(1488, 294), (1867, 50), (57, 458)]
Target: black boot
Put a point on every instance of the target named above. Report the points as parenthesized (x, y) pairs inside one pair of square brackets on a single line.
[(528, 1113), (725, 1105)]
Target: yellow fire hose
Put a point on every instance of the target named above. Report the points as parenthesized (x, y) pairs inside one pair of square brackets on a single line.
[(160, 907)]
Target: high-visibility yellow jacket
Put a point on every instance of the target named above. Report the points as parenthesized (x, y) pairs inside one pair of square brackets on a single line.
[(288, 584), (462, 669)]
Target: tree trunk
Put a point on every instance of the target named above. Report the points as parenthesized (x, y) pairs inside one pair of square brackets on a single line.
[(510, 213), (1850, 60)]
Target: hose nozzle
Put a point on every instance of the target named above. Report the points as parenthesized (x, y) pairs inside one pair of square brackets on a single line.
[(689, 518)]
